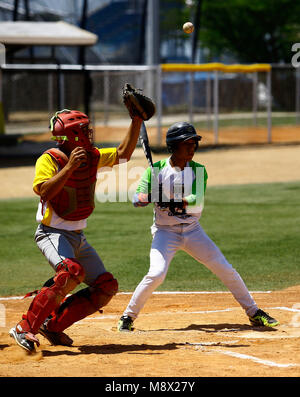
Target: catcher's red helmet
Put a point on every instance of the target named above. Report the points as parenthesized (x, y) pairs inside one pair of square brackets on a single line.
[(72, 126)]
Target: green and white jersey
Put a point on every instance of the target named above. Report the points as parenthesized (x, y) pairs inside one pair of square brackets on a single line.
[(189, 183)]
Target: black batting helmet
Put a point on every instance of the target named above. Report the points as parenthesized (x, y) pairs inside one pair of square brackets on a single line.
[(180, 132)]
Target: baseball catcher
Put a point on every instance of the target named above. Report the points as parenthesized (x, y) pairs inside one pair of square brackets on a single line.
[(65, 178), (176, 226)]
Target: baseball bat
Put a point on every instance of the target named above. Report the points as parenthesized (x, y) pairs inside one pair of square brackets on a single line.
[(143, 138), (144, 141)]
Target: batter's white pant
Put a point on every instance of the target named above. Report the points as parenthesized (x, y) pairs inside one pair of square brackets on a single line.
[(192, 239)]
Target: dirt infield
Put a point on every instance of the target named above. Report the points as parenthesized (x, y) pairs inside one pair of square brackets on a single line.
[(239, 165), (176, 335), (226, 135)]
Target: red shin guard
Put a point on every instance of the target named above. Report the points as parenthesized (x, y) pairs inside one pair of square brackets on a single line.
[(69, 274), (84, 302)]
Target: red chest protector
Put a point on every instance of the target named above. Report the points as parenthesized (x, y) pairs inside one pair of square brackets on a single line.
[(76, 200)]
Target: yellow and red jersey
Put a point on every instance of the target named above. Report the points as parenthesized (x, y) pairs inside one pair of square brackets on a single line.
[(47, 167)]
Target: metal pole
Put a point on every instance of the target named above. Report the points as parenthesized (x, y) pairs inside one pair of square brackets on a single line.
[(158, 102), (191, 97), (197, 19), (152, 41), (61, 89), (87, 90), (254, 98), (2, 122), (82, 49), (50, 93), (269, 106), (216, 106), (16, 7), (208, 100), (106, 97), (142, 38)]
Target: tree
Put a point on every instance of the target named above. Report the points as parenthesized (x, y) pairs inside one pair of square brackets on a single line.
[(173, 14), (253, 31)]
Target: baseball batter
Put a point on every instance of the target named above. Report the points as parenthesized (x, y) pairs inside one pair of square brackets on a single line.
[(177, 210), (65, 179)]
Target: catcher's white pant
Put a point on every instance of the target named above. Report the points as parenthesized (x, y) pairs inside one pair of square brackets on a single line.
[(57, 245), (192, 239)]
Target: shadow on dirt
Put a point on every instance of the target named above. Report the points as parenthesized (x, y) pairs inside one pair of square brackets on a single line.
[(221, 328), (112, 349), (131, 349)]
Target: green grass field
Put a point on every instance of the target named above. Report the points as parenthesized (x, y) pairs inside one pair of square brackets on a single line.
[(248, 122), (256, 226)]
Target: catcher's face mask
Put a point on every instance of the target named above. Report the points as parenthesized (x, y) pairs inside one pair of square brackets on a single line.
[(72, 126)]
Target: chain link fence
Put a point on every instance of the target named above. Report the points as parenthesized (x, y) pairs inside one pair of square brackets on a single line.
[(31, 95)]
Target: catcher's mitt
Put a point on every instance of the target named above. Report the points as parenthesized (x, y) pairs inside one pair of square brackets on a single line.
[(137, 103)]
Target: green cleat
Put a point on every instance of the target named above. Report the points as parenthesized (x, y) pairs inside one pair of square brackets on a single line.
[(125, 324), (262, 318)]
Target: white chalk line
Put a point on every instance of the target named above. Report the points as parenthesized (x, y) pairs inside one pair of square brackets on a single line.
[(103, 317), (211, 343), (160, 313), (6, 298), (286, 308), (241, 355), (193, 292), (254, 359), (163, 313)]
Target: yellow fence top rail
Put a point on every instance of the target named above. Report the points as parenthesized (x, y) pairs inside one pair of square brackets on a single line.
[(211, 67)]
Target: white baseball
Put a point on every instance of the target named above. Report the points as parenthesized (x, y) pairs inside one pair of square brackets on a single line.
[(188, 27)]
